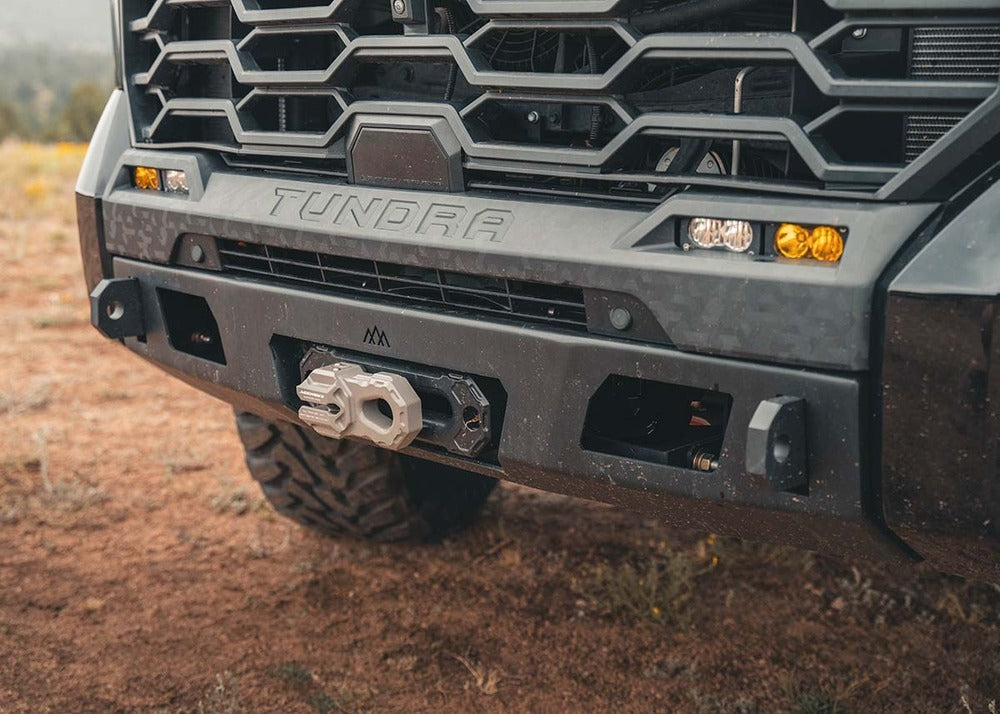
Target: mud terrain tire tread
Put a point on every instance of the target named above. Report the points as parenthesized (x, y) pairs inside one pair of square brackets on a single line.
[(350, 488)]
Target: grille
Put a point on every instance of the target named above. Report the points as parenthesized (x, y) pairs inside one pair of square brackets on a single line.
[(923, 130), (461, 293), (960, 53), (956, 52), (582, 97)]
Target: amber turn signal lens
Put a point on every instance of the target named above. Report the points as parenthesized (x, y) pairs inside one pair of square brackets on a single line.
[(147, 179), (826, 244), (792, 241)]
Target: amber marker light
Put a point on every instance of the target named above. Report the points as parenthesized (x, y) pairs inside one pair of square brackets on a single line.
[(792, 241), (146, 178), (826, 244)]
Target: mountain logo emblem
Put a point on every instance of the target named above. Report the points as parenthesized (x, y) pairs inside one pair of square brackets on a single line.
[(375, 336)]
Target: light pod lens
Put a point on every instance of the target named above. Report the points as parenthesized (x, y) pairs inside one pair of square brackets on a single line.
[(734, 235), (792, 241), (826, 244), (175, 181), (737, 236), (705, 232), (146, 178)]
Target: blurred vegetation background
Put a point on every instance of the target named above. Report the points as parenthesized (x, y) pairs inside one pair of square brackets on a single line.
[(58, 69)]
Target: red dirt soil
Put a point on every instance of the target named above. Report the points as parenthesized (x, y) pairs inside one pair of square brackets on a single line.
[(141, 571)]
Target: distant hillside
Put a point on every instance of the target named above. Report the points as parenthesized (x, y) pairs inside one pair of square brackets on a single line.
[(57, 24), (52, 94)]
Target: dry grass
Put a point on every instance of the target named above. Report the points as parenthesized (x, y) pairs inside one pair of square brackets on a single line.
[(30, 489), (29, 396), (811, 700), (485, 679), (223, 697), (658, 587), (34, 177), (309, 688), (233, 497)]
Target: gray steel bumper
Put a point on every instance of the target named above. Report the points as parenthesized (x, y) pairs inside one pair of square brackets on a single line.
[(745, 327)]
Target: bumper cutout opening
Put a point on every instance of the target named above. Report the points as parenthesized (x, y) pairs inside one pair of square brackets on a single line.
[(191, 326), (657, 422)]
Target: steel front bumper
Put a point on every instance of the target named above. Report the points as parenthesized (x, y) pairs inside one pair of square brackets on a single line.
[(751, 329)]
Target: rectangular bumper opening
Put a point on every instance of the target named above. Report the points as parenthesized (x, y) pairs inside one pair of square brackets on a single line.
[(657, 422)]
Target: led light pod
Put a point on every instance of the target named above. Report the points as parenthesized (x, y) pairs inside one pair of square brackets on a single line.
[(146, 178), (737, 236), (792, 241), (705, 232), (175, 181), (826, 244), (734, 235)]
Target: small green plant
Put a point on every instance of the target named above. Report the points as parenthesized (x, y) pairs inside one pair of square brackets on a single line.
[(292, 674), (657, 590), (812, 701), (308, 687)]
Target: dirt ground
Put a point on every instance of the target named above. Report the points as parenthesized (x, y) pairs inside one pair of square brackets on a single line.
[(141, 571)]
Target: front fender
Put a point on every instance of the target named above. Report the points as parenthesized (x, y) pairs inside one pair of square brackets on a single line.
[(940, 395)]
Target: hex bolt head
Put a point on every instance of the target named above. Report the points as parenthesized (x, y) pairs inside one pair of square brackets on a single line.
[(621, 318), (533, 117), (399, 7), (859, 33), (197, 253)]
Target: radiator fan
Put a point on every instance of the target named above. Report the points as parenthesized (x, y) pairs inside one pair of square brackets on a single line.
[(510, 50), (521, 50)]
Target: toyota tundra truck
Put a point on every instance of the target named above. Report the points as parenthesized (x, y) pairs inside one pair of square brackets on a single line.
[(732, 263)]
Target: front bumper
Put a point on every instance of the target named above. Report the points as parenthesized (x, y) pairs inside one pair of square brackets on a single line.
[(750, 329)]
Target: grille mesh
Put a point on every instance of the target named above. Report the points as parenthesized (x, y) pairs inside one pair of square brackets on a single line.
[(923, 130), (956, 52), (524, 301), (948, 53)]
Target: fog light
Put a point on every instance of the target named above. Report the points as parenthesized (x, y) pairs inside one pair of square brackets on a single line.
[(792, 241), (826, 244), (175, 181), (737, 236), (705, 232), (146, 178), (732, 234)]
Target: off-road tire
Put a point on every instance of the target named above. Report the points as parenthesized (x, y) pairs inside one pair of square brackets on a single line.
[(354, 489)]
